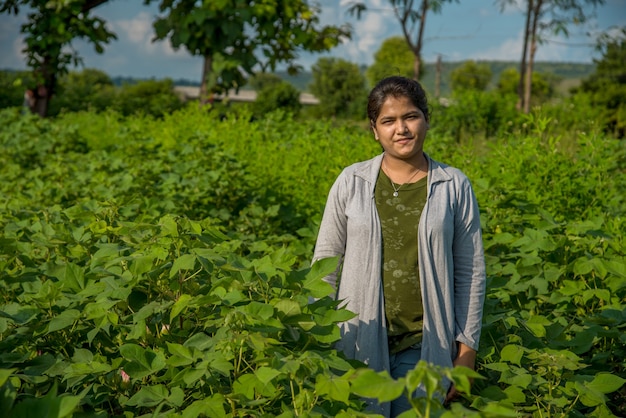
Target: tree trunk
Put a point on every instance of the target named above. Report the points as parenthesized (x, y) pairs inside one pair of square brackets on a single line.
[(531, 59), (205, 94), (438, 77), (45, 88), (417, 51), (522, 67)]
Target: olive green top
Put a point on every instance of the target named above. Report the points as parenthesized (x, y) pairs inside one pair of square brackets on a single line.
[(399, 217)]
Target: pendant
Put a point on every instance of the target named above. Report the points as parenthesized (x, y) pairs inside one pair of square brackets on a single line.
[(395, 194)]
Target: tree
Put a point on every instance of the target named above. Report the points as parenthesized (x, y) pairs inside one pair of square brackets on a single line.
[(51, 27), (235, 36), (281, 95), (148, 97), (544, 17), (340, 87), (83, 90), (12, 87), (542, 85), (261, 80), (412, 17), (471, 76), (394, 57), (607, 85)]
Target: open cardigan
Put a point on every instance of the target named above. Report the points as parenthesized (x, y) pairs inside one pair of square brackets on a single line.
[(450, 258)]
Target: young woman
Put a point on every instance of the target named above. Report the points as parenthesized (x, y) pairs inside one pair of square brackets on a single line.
[(407, 229)]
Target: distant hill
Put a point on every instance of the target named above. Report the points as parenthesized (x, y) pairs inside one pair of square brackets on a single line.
[(568, 74)]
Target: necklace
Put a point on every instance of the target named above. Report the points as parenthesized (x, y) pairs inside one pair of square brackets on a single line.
[(395, 191)]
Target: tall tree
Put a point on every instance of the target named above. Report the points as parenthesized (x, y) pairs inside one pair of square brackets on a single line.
[(471, 76), (340, 87), (544, 17), (236, 36), (51, 27), (392, 58), (412, 17), (606, 87)]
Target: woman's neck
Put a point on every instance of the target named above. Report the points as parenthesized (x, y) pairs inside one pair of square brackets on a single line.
[(405, 171)]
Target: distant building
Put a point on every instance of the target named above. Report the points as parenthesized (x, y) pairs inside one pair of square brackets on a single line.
[(193, 93)]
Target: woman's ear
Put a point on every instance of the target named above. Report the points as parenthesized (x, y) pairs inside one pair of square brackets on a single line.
[(373, 127)]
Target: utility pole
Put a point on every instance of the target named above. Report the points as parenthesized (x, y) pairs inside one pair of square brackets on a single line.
[(438, 77)]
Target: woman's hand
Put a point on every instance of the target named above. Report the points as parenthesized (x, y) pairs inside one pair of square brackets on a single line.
[(465, 357)]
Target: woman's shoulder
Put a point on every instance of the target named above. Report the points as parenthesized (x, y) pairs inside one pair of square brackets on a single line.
[(443, 171), (362, 168)]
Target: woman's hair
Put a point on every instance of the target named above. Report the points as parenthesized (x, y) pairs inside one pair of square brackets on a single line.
[(396, 87)]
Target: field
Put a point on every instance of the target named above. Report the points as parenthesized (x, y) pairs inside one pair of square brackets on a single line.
[(161, 268)]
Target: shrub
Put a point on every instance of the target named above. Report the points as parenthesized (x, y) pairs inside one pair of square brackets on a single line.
[(281, 95)]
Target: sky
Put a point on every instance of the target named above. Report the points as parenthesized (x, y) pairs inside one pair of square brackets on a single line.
[(469, 29)]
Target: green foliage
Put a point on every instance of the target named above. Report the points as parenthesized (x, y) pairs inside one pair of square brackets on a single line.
[(150, 97), (606, 87), (13, 84), (555, 312), (542, 85), (471, 113), (236, 36), (51, 28), (394, 57), (261, 80), (340, 88), (281, 95), (160, 267), (412, 17), (84, 90), (470, 76)]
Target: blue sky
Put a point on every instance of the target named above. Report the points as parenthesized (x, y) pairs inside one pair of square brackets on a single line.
[(472, 29)]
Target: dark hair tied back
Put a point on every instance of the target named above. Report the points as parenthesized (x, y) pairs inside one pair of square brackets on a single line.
[(396, 86)]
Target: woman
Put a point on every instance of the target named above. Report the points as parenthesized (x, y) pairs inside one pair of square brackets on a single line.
[(407, 229)]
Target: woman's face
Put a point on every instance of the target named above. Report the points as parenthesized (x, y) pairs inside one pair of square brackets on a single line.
[(401, 128)]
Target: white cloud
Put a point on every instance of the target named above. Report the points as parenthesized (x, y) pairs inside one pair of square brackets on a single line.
[(509, 50), (139, 31)]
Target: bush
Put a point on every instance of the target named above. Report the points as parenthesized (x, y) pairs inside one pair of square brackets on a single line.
[(281, 96), (152, 97), (340, 88), (471, 114), (13, 84), (89, 89)]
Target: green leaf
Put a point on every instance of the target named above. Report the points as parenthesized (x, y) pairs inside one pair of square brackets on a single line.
[(606, 383), (370, 384), (179, 306), (288, 307), (320, 269), (168, 225), (181, 355), (258, 310), (336, 388), (148, 396), (266, 374), (512, 353), (184, 262), (143, 362), (5, 374), (63, 320), (516, 377), (212, 406)]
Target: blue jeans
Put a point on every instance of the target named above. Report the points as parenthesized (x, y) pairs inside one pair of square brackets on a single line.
[(401, 363)]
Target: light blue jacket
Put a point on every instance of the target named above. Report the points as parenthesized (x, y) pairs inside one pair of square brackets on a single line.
[(450, 257)]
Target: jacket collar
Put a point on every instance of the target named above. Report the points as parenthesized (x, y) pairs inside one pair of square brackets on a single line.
[(368, 171)]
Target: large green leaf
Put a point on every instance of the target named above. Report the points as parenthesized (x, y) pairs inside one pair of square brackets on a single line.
[(371, 384), (142, 361)]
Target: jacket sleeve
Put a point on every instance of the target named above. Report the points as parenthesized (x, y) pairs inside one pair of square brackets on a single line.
[(331, 239), (469, 268)]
